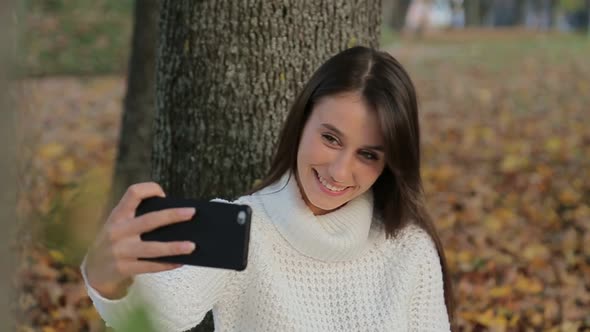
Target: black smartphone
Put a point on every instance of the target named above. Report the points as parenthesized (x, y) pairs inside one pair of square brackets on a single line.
[(221, 232)]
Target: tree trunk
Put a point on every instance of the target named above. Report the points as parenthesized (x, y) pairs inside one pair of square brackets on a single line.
[(519, 8), (227, 72), (394, 12), (135, 140), (472, 13)]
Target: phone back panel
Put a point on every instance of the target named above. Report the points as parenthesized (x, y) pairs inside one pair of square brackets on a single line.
[(221, 232)]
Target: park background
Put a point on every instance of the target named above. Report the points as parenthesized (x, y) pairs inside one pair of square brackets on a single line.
[(504, 89)]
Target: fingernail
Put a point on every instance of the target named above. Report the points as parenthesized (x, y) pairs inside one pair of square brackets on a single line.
[(188, 246), (186, 212)]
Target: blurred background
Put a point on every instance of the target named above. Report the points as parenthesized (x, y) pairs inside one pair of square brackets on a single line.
[(504, 88)]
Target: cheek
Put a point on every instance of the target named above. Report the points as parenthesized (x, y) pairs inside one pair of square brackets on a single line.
[(310, 150), (370, 175)]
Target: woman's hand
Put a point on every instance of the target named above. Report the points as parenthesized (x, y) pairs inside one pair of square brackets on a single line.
[(112, 260)]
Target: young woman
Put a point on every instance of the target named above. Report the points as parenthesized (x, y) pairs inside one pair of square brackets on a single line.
[(340, 237)]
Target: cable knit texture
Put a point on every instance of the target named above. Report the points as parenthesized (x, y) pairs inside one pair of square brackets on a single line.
[(334, 272)]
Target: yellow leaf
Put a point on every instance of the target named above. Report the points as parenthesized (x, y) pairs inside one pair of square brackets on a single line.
[(493, 224), (465, 256), (51, 150), (569, 197), (537, 319), (444, 173), (514, 320), (501, 291), (512, 163), (528, 285), (490, 319), (569, 326), (24, 328), (44, 205), (536, 250), (67, 165), (504, 214), (89, 314), (551, 311), (451, 257), (55, 314), (448, 221), (553, 144), (57, 255)]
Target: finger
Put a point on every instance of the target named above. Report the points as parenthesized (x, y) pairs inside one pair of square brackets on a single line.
[(135, 267), (133, 196), (153, 220), (135, 248)]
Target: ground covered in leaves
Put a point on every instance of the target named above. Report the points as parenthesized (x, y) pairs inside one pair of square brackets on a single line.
[(506, 168)]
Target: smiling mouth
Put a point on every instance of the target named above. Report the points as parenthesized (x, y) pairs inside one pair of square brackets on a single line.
[(328, 186)]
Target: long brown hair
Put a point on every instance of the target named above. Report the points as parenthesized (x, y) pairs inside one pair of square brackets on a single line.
[(388, 89)]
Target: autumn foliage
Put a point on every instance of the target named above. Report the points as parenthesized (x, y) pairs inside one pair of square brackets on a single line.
[(506, 166)]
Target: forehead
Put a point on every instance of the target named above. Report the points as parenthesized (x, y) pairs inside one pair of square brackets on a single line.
[(351, 115)]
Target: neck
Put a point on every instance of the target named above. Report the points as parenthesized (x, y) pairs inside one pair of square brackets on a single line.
[(341, 234)]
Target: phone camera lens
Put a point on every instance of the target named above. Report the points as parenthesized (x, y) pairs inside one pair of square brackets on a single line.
[(241, 218)]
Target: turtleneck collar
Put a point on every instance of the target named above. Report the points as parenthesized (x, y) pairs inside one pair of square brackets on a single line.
[(342, 234)]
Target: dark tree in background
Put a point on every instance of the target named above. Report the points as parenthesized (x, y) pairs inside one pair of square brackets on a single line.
[(227, 72), (135, 140), (475, 11), (394, 13)]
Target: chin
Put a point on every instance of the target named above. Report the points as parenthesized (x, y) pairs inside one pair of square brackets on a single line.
[(328, 203)]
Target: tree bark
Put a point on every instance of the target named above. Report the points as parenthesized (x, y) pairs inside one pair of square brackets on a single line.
[(135, 139), (227, 72)]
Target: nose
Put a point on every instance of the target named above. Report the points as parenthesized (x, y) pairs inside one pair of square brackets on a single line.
[(341, 168)]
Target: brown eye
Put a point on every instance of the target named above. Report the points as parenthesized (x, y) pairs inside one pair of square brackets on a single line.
[(369, 155), (330, 139)]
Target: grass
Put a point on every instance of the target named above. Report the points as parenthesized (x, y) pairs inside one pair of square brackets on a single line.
[(75, 37), (491, 51)]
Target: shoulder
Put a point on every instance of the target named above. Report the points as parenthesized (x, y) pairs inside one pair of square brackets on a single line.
[(416, 239), (414, 245)]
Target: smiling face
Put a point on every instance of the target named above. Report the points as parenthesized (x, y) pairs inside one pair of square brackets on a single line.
[(340, 154)]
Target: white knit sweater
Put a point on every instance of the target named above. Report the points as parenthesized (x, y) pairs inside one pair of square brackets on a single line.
[(334, 272)]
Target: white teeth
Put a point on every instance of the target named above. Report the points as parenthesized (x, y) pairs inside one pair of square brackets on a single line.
[(329, 186)]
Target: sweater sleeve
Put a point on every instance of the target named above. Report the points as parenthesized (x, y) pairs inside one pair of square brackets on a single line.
[(428, 311), (176, 300)]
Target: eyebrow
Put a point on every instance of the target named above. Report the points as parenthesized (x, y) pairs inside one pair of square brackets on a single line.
[(337, 131)]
